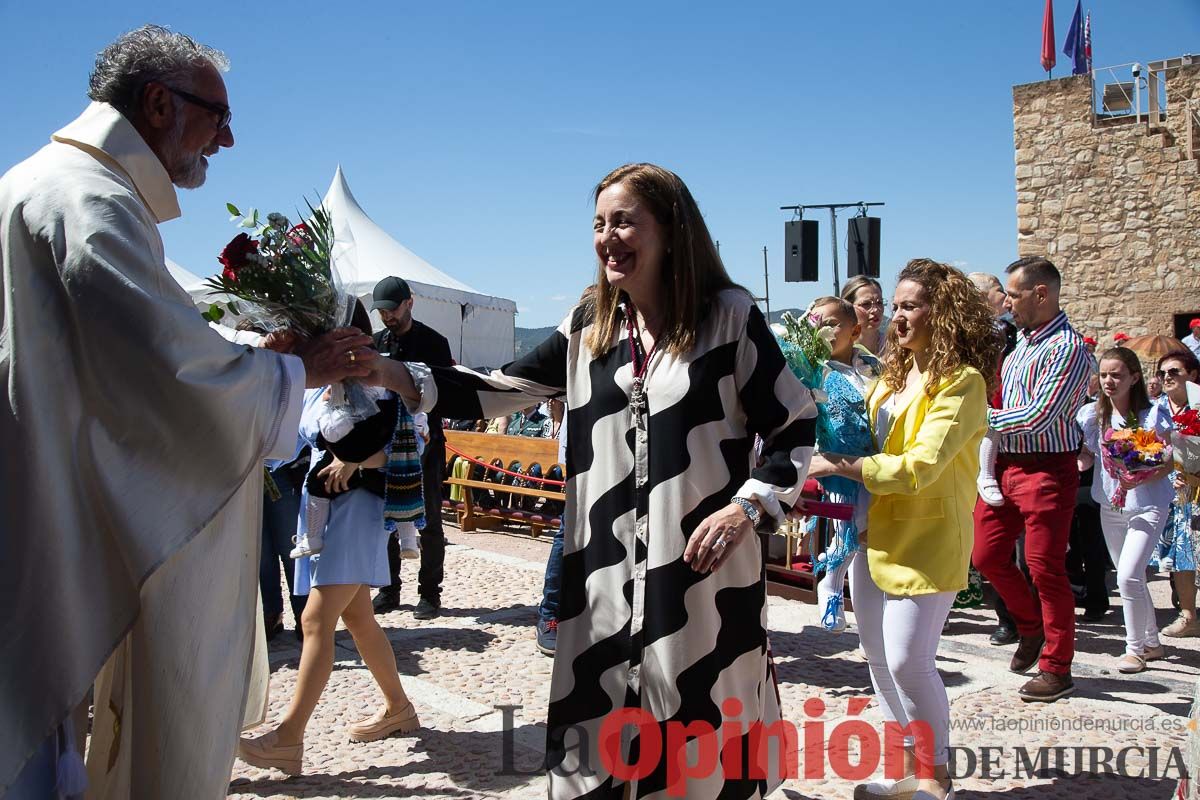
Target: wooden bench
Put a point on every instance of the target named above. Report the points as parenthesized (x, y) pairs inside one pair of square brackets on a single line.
[(791, 576), (487, 447)]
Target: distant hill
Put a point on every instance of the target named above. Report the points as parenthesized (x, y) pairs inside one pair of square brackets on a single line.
[(529, 338)]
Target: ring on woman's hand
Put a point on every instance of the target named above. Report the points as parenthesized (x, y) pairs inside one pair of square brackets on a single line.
[(722, 542), (352, 356)]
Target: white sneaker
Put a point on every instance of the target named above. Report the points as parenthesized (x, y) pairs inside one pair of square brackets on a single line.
[(989, 491), (307, 545), (886, 789), (410, 546)]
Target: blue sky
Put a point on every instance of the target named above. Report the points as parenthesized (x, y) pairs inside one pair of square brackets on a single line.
[(473, 132)]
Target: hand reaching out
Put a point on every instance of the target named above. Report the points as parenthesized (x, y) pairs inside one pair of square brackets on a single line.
[(336, 355)]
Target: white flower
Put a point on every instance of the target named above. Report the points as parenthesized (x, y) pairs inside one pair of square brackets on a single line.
[(826, 333), (778, 329)]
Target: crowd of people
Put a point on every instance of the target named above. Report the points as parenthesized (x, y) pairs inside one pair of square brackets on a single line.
[(958, 429)]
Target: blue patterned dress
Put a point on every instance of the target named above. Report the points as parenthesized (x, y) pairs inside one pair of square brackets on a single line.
[(1177, 549)]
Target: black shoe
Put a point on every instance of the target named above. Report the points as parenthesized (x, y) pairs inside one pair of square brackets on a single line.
[(426, 610), (386, 601), (1094, 615), (274, 626), (1003, 635)]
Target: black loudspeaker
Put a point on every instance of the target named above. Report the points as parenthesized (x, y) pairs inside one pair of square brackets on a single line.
[(862, 247), (800, 251)]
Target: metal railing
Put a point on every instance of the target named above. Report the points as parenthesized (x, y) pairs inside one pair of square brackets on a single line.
[(1122, 93)]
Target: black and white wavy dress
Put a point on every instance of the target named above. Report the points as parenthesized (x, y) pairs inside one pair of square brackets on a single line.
[(637, 627)]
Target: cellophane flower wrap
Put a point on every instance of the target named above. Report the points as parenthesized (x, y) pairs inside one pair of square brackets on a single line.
[(279, 277), (1185, 446), (807, 346), (1133, 454)]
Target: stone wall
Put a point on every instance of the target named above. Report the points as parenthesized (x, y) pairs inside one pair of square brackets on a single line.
[(1116, 208)]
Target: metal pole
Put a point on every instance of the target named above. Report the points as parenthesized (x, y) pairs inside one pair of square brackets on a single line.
[(837, 290), (766, 284)]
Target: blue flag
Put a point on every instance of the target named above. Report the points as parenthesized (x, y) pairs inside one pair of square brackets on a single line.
[(1075, 46)]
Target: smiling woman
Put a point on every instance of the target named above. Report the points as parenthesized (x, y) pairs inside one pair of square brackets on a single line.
[(669, 373), (928, 414)]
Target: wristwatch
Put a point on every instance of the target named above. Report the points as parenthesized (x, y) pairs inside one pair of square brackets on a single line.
[(751, 510)]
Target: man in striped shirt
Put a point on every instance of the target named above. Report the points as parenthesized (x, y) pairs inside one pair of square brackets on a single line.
[(1044, 383)]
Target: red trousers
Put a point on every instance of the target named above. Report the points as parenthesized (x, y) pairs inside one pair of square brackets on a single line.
[(1039, 499)]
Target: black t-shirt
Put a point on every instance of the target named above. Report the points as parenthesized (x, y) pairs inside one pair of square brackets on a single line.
[(421, 343)]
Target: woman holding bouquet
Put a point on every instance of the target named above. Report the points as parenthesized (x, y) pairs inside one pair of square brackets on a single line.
[(1175, 370), (669, 371), (1133, 506), (928, 412)]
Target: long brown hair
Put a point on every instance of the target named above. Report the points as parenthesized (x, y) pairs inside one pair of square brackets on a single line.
[(963, 331), (857, 282), (692, 272), (1139, 398)]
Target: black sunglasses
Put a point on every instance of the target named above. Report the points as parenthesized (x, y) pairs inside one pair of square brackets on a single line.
[(224, 114), (1173, 372)]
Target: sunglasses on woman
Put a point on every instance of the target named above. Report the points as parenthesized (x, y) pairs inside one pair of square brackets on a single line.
[(1173, 372)]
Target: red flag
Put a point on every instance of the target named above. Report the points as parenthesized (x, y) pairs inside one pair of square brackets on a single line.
[(1087, 40), (1048, 37)]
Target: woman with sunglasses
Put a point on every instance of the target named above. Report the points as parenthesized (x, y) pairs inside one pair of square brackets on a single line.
[(1175, 370), (865, 294)]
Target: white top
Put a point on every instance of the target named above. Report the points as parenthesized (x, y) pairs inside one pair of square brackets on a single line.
[(1153, 494), (1193, 343)]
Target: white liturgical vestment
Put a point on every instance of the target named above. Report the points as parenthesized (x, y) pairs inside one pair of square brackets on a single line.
[(133, 438)]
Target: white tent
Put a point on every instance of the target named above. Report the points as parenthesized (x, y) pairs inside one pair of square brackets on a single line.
[(480, 327), (192, 283)]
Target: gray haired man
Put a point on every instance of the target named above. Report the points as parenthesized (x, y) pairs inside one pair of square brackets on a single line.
[(134, 440)]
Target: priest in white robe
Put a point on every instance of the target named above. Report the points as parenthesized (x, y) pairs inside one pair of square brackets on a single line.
[(133, 438)]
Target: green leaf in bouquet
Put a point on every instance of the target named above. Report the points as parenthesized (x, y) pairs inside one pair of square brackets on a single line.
[(213, 314), (233, 308), (233, 209)]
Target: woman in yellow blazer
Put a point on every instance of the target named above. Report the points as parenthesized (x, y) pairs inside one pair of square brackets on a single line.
[(928, 413)]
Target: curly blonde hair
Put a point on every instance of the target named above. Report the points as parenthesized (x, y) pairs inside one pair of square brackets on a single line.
[(963, 331)]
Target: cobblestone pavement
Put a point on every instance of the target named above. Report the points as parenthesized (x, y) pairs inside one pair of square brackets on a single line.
[(479, 655)]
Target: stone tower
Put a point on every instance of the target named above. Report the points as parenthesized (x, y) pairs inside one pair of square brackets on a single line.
[(1114, 202)]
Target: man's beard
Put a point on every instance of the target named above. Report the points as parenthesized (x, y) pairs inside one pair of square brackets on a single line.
[(186, 170)]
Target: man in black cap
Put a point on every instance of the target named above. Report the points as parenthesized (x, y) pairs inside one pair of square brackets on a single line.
[(405, 339)]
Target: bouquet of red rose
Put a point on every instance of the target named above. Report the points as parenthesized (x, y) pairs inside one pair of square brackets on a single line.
[(1133, 454), (281, 277), (1185, 442), (282, 274)]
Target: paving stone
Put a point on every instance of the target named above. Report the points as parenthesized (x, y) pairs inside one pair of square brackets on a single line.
[(480, 655)]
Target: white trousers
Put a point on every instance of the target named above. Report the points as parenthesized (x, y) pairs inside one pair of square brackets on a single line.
[(900, 637), (1131, 538)]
